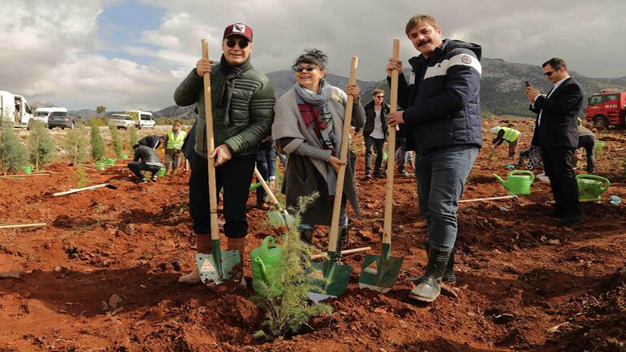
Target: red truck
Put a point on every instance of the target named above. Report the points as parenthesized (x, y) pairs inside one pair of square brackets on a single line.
[(606, 108)]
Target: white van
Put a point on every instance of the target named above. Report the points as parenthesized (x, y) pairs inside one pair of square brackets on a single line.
[(122, 121), (14, 109), (43, 114), (144, 118)]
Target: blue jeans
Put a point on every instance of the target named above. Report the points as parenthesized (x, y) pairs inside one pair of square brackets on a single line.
[(441, 176)]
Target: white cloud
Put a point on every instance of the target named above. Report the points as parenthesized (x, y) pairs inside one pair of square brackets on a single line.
[(50, 47)]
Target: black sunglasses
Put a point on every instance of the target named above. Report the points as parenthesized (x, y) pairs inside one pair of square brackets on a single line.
[(242, 43), (300, 68), (380, 96), (549, 73)]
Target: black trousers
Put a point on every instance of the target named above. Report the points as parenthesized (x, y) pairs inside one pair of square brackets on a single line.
[(557, 162), (589, 143), (235, 177), (136, 167)]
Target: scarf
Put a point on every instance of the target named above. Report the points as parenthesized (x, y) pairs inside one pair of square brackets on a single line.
[(316, 113), (232, 73), (318, 119)]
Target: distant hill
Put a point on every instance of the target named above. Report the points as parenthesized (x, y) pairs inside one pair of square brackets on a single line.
[(502, 88)]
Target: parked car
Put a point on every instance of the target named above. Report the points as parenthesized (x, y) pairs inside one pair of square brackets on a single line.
[(64, 120), (122, 121), (43, 114), (144, 118)]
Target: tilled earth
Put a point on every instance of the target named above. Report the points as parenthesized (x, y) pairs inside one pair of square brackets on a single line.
[(102, 275)]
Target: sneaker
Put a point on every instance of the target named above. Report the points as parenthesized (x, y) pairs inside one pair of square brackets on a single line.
[(570, 220), (379, 174), (154, 178), (368, 176), (143, 180)]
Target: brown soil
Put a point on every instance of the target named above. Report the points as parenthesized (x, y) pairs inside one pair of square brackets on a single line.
[(523, 283)]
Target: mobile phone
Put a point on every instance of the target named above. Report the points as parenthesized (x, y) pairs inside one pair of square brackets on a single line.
[(527, 83)]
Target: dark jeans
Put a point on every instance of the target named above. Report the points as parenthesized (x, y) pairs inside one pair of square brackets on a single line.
[(378, 144), (235, 176), (589, 143), (136, 167), (441, 176), (557, 162)]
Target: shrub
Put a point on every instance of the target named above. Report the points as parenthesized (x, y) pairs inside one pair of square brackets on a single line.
[(132, 135), (13, 154), (116, 140), (98, 150), (76, 145), (285, 301), (41, 145)]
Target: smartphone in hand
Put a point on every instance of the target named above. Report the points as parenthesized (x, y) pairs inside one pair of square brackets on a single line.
[(527, 83)]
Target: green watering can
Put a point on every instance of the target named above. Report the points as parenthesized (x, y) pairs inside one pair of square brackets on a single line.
[(27, 169), (161, 172), (109, 162), (98, 166), (518, 182), (590, 187), (266, 262)]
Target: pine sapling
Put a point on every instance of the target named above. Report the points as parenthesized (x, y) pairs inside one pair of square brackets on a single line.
[(13, 154), (76, 146), (285, 300), (98, 150), (132, 135), (41, 145), (116, 141)]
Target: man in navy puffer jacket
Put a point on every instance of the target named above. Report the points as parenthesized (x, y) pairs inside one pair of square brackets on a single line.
[(442, 113)]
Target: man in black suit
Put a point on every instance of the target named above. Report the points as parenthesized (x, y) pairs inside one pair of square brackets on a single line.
[(556, 134)]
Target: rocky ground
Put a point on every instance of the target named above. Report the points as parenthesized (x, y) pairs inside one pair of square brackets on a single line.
[(102, 275)]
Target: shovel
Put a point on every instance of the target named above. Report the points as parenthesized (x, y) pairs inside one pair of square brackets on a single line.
[(333, 277), (280, 216), (380, 272), (217, 266)]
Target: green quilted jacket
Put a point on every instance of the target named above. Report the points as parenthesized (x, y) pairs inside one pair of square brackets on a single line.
[(251, 115)]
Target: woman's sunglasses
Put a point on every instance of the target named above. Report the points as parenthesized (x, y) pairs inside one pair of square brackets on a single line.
[(242, 43), (308, 68)]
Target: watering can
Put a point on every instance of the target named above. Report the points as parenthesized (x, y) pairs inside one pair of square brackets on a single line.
[(161, 172), (518, 182), (266, 262), (109, 162), (27, 169), (99, 166), (590, 186)]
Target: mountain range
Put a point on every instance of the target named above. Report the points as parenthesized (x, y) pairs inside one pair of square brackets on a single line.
[(502, 88)]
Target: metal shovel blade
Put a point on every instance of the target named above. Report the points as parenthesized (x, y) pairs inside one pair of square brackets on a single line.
[(218, 266), (380, 274), (332, 277), (279, 218)]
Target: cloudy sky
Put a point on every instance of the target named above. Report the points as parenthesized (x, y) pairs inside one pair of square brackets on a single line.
[(127, 54)]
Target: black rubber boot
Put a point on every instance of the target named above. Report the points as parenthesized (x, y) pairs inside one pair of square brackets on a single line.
[(449, 275), (343, 238), (306, 236), (429, 287)]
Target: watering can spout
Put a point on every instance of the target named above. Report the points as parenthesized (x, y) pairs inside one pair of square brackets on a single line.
[(503, 182)]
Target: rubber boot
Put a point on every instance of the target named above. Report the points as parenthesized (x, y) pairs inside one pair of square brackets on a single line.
[(240, 245), (429, 286), (449, 276), (203, 245), (343, 239), (306, 236)]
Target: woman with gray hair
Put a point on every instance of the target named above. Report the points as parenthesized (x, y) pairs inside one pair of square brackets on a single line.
[(308, 124)]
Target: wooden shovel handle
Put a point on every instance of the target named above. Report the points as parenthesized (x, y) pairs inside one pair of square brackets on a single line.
[(266, 187), (391, 154), (210, 145), (343, 156)]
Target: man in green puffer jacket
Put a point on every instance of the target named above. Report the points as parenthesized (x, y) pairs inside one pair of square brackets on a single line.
[(243, 111)]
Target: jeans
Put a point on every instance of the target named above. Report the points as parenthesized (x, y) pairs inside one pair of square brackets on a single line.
[(401, 153), (235, 176), (378, 144), (441, 176), (136, 167), (261, 165)]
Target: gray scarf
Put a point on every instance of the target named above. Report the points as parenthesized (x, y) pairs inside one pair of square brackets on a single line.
[(232, 73)]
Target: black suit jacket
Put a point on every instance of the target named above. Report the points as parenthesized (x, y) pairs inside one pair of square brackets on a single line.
[(559, 127)]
